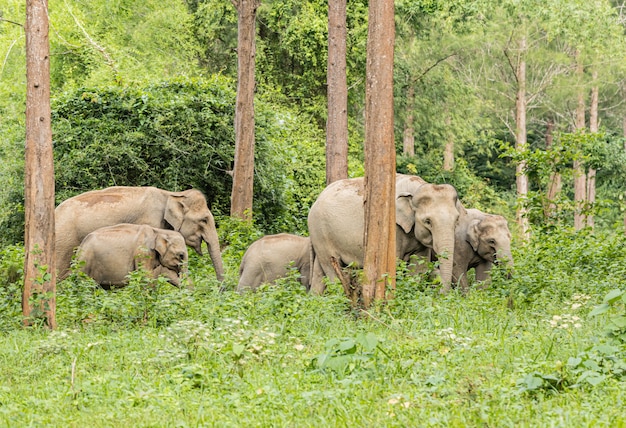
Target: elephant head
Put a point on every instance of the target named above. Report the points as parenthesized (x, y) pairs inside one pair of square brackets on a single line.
[(489, 237), (432, 212), (187, 212), (171, 251)]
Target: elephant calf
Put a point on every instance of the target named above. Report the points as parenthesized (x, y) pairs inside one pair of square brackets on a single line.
[(268, 259), (481, 240), (111, 253)]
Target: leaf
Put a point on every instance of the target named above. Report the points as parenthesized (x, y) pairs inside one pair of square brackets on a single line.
[(369, 341), (606, 349), (613, 296), (348, 346), (238, 349), (619, 322), (600, 309), (574, 362)]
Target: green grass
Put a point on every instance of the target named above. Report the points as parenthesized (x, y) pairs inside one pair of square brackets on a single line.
[(161, 357)]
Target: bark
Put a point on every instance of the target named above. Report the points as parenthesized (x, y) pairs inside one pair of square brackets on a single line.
[(580, 178), (380, 155), (521, 142), (408, 138), (448, 152), (337, 94), (243, 171), (554, 186), (593, 128), (38, 298)]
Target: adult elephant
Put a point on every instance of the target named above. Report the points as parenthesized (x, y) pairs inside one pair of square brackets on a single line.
[(185, 212), (110, 253), (269, 258), (481, 240), (426, 216)]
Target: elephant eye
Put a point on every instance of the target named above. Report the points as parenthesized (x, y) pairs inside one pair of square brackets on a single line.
[(427, 221), (181, 256), (492, 242)]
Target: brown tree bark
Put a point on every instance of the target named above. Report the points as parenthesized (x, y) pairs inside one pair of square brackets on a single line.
[(39, 294), (521, 142), (337, 94), (243, 170), (580, 178), (594, 127), (380, 155), (408, 137), (554, 185)]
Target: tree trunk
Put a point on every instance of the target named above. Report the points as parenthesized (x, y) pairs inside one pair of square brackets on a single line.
[(408, 139), (380, 155), (554, 186), (593, 128), (448, 152), (243, 171), (39, 294), (580, 178), (521, 142), (337, 94)]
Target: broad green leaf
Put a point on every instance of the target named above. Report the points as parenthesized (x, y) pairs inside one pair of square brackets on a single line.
[(600, 309), (238, 349), (574, 361), (613, 296), (369, 341)]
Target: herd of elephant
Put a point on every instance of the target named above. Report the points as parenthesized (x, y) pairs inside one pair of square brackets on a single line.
[(120, 229)]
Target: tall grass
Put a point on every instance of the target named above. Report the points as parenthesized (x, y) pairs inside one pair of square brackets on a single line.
[(524, 352)]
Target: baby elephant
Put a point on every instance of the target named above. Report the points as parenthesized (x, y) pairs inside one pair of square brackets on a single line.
[(111, 253), (481, 240), (269, 258)]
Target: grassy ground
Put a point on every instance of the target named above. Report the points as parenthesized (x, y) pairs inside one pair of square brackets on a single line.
[(523, 353)]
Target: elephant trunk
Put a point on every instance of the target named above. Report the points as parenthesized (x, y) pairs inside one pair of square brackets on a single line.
[(213, 244), (445, 246)]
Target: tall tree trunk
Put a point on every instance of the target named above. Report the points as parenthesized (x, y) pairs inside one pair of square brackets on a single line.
[(408, 139), (593, 128), (380, 155), (554, 186), (337, 94), (521, 142), (39, 294), (448, 152), (243, 171), (580, 178)]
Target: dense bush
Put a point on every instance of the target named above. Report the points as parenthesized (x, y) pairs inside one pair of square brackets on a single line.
[(179, 134)]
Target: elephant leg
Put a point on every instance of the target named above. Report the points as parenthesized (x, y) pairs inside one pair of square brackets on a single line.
[(317, 281), (483, 274)]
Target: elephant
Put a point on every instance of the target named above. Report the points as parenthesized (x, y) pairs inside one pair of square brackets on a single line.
[(110, 253), (268, 259), (185, 212), (481, 240), (426, 216)]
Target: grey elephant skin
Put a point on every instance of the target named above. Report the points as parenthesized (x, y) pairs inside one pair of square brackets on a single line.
[(185, 212), (110, 253), (270, 257), (426, 216), (481, 240)]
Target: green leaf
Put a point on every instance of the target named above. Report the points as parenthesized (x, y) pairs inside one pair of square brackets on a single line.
[(619, 322), (348, 346), (369, 341), (574, 362), (600, 309), (238, 349), (613, 296)]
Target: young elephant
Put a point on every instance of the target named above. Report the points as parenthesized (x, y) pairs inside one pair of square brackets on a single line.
[(481, 240), (268, 259), (111, 253)]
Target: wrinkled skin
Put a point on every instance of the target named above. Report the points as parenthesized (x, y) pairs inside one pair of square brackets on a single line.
[(111, 253), (185, 212), (269, 258), (426, 216), (481, 240)]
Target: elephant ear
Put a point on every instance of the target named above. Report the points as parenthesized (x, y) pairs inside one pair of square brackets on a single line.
[(405, 216), (160, 244), (473, 234), (175, 210)]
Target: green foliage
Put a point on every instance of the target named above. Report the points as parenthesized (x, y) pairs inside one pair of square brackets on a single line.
[(178, 134), (11, 280)]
